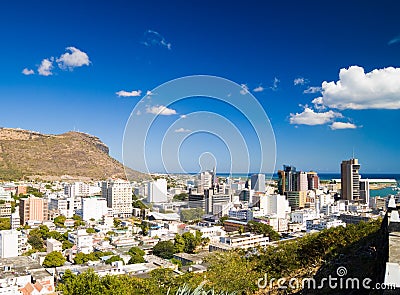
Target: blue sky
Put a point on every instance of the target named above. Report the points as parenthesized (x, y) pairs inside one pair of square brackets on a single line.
[(99, 48)]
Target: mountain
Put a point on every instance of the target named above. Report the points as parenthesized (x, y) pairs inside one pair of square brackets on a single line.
[(71, 155)]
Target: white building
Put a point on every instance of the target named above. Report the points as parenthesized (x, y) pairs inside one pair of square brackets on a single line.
[(76, 189), (275, 204), (10, 244), (118, 194), (301, 216), (157, 191), (320, 224), (15, 220), (93, 207), (245, 241), (53, 245), (258, 182), (5, 195), (82, 240), (60, 206)]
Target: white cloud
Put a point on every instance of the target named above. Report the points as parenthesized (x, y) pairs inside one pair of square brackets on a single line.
[(394, 40), (259, 89), (76, 58), (342, 125), (244, 90), (138, 113), (152, 38), (183, 116), (274, 86), (182, 130), (28, 72), (313, 89), (300, 81), (309, 117), (357, 90), (149, 93), (160, 110), (45, 67), (133, 93)]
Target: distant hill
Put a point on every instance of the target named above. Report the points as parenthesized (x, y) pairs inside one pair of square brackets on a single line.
[(69, 156)]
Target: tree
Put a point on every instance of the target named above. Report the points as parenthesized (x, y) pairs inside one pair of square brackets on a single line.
[(90, 230), (136, 251), (164, 249), (80, 258), (136, 255), (56, 235), (181, 197), (5, 223), (59, 221), (36, 242), (263, 229), (54, 259), (179, 244), (67, 245), (191, 241), (136, 259), (145, 227), (117, 222), (113, 259)]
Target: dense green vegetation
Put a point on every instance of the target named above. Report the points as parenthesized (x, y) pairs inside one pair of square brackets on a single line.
[(54, 259), (181, 197), (264, 229), (38, 235), (82, 258), (186, 242), (191, 214), (5, 223), (232, 271), (136, 255)]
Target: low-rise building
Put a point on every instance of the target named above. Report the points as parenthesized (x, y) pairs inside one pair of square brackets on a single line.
[(53, 245), (244, 241)]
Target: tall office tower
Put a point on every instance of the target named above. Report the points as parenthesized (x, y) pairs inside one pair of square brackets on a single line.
[(288, 179), (118, 194), (302, 182), (350, 179), (313, 180), (364, 191), (33, 208), (205, 180), (157, 191), (258, 182)]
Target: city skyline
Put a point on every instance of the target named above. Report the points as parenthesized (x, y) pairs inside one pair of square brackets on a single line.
[(326, 75)]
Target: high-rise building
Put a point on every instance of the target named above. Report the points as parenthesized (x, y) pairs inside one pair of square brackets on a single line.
[(364, 191), (258, 182), (9, 243), (205, 180), (313, 180), (33, 208), (288, 179), (118, 194), (157, 191), (350, 179), (302, 182), (297, 199), (94, 207)]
